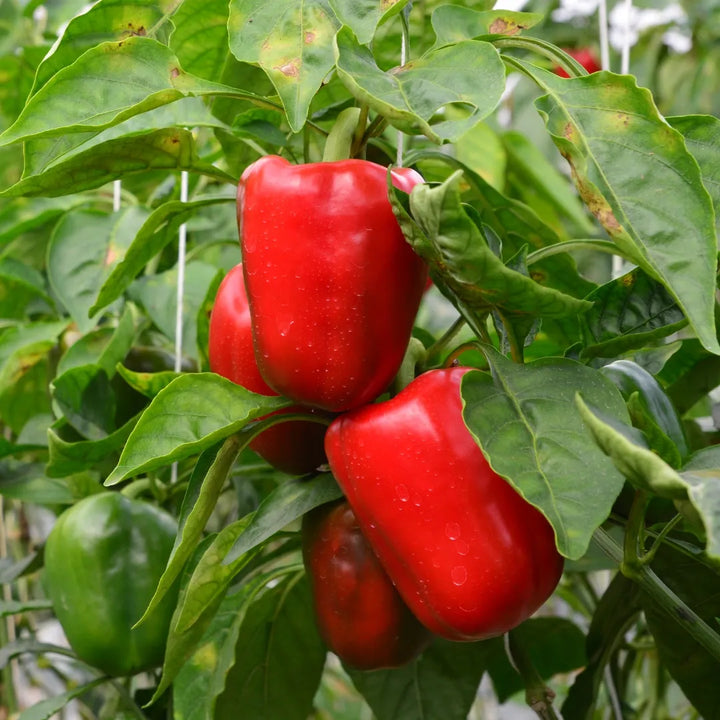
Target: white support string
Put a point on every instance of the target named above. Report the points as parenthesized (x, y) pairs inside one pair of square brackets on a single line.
[(604, 41), (117, 190), (627, 39), (403, 60), (180, 297)]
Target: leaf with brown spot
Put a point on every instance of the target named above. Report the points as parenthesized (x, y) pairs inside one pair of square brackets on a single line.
[(453, 23), (637, 177)]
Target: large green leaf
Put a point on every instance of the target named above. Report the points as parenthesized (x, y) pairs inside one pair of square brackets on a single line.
[(636, 175), (234, 545), (279, 657), (104, 21), (172, 149), (159, 229), (292, 43), (698, 482), (200, 37), (439, 685), (628, 313), (527, 425), (191, 414), (469, 74), (108, 84), (702, 137), (84, 247), (363, 16), (442, 232), (453, 23), (24, 214)]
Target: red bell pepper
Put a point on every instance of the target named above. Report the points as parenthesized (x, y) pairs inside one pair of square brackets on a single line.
[(296, 446), (470, 557), (333, 286), (585, 56), (358, 611)]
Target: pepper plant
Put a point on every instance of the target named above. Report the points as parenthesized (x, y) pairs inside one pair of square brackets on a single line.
[(586, 394)]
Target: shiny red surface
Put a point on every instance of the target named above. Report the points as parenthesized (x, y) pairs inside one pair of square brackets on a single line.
[(470, 557), (295, 447), (358, 611), (333, 285)]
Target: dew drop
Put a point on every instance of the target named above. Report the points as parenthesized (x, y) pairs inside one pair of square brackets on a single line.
[(462, 547), (452, 530), (459, 575), (402, 492)]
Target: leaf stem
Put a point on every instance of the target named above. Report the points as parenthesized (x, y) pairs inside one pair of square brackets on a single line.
[(538, 695), (671, 603), (436, 350), (546, 49), (604, 246)]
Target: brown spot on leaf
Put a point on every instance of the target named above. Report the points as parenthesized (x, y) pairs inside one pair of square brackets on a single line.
[(174, 72), (309, 37), (624, 119), (499, 26), (569, 132), (538, 276), (290, 69), (111, 255), (628, 280)]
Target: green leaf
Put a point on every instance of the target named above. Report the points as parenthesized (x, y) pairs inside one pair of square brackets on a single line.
[(43, 154), (292, 43), (24, 214), (158, 150), (19, 285), (629, 313), (84, 247), (148, 384), (615, 613), (158, 294), (200, 37), (16, 607), (690, 665), (541, 185), (22, 346), (454, 23), (28, 483), (104, 347), (363, 16), (206, 483), (202, 678), (469, 74), (158, 231), (278, 647), (517, 225), (7, 447), (47, 708), (85, 397), (702, 475), (233, 547), (188, 416), (701, 134), (11, 570), (442, 232), (106, 20), (635, 174), (129, 77), (70, 453), (439, 685), (527, 425)]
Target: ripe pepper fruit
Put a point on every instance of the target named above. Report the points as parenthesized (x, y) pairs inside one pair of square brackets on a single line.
[(103, 560), (332, 284), (585, 56), (359, 613), (295, 447), (470, 557)]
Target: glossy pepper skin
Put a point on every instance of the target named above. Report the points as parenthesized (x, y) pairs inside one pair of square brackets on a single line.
[(295, 447), (358, 611), (103, 559), (332, 284), (470, 557)]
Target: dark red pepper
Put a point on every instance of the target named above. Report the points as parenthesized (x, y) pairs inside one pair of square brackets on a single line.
[(470, 557), (359, 613), (585, 56), (296, 446), (333, 286)]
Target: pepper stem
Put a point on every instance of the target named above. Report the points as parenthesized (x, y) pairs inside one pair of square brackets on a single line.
[(538, 695), (339, 143)]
